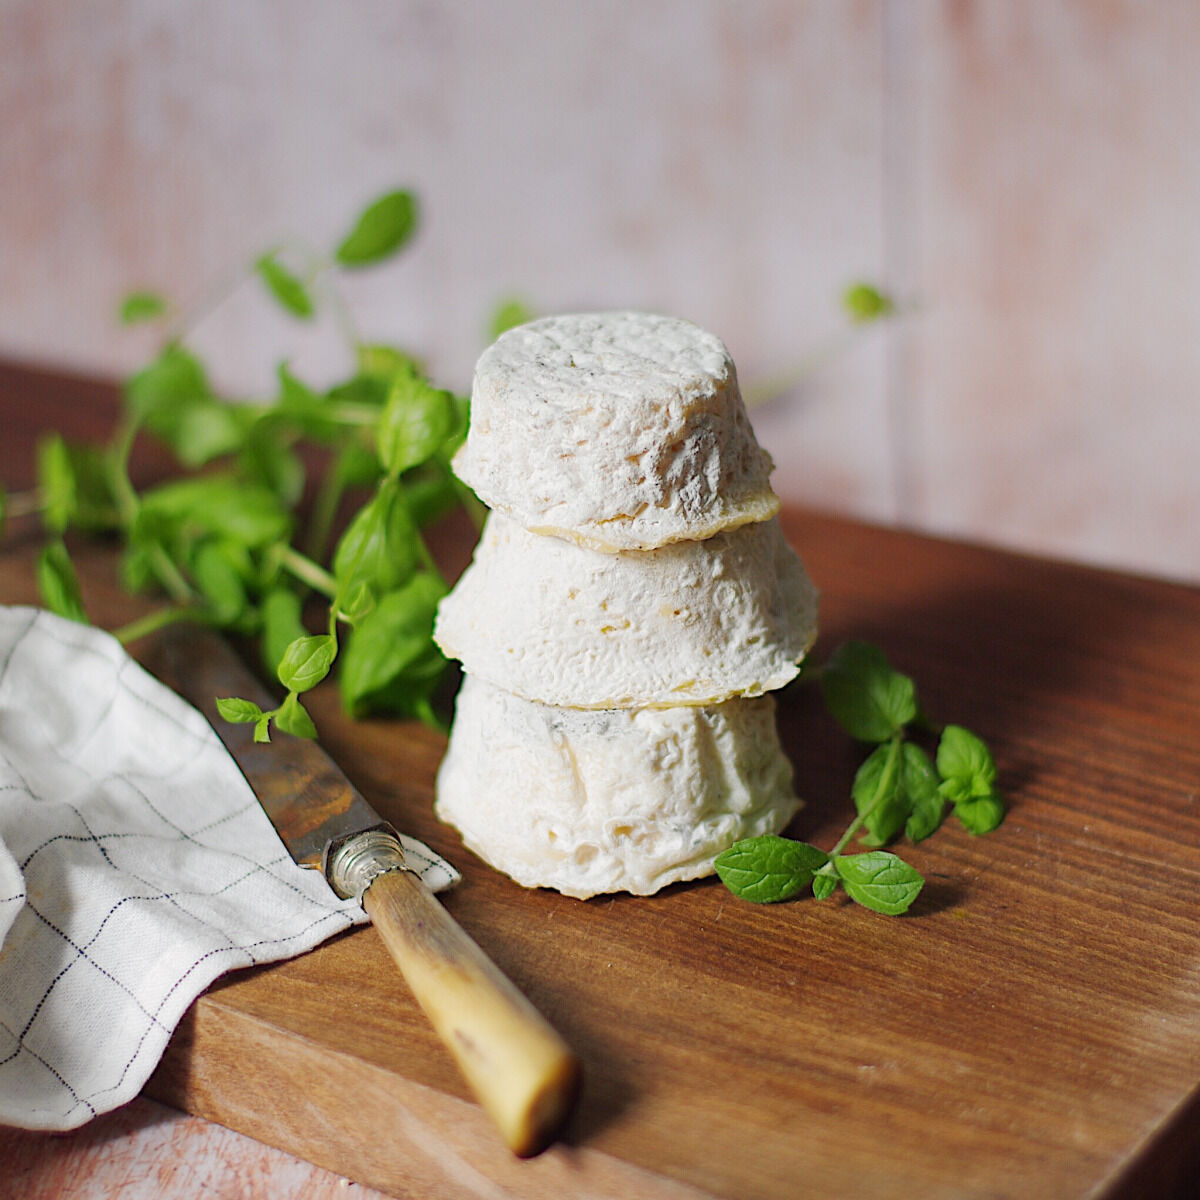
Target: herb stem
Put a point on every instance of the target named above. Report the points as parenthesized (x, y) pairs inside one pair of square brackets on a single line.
[(158, 619), (123, 491), (890, 765), (307, 571), (346, 412)]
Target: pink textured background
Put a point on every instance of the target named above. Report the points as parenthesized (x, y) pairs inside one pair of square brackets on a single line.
[(1025, 174)]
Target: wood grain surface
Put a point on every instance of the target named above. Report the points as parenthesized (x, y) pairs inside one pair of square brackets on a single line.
[(1030, 1029)]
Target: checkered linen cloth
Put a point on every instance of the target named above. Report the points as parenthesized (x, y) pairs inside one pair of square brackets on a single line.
[(136, 866)]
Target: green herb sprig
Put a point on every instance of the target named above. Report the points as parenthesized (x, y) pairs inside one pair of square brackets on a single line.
[(226, 543), (897, 789)]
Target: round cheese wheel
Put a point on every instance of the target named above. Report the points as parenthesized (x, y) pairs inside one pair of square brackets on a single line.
[(588, 802), (689, 623), (620, 431)]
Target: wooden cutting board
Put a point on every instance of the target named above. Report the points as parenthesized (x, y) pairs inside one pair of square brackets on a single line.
[(1030, 1029)]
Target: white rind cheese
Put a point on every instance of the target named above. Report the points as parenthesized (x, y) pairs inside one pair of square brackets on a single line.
[(619, 431), (690, 623), (597, 802)]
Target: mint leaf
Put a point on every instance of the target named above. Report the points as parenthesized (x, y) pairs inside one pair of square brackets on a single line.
[(768, 868), (141, 306), (925, 805), (293, 718), (879, 881), (965, 764), (237, 711), (869, 699), (306, 662), (382, 228), (878, 791), (58, 584), (928, 811), (864, 303), (981, 814), (284, 286), (824, 886), (415, 422)]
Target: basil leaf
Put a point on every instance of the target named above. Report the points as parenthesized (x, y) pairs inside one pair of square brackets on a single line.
[(769, 868), (356, 605), (262, 728), (171, 380), (385, 362), (284, 286), (879, 881), (416, 420), (281, 624), (430, 496), (266, 458), (382, 228), (508, 315), (293, 718), (306, 662), (864, 303), (981, 814), (141, 306), (219, 582), (869, 699), (56, 482), (379, 548), (965, 764), (390, 663), (237, 711), (247, 513), (58, 584)]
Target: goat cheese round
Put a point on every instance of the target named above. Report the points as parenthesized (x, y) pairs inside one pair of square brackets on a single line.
[(620, 431), (689, 623), (590, 802)]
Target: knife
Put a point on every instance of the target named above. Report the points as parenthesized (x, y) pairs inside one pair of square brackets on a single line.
[(523, 1073)]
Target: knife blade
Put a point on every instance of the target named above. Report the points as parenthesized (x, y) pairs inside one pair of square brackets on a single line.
[(523, 1073)]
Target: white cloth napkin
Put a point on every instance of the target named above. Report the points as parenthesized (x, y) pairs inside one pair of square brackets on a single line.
[(136, 866)]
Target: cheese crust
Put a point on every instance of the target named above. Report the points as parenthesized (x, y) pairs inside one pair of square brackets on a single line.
[(690, 623), (595, 802), (619, 431)]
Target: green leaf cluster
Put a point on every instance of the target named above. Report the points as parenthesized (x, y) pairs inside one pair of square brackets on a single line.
[(225, 542), (899, 788)]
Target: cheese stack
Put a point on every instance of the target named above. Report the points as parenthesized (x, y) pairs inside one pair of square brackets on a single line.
[(630, 605)]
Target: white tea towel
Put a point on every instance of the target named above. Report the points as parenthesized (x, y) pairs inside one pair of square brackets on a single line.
[(136, 866)]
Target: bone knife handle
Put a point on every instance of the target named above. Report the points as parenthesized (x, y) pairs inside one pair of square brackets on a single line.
[(523, 1073)]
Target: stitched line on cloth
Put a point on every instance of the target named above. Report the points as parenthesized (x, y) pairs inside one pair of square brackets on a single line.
[(241, 954)]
